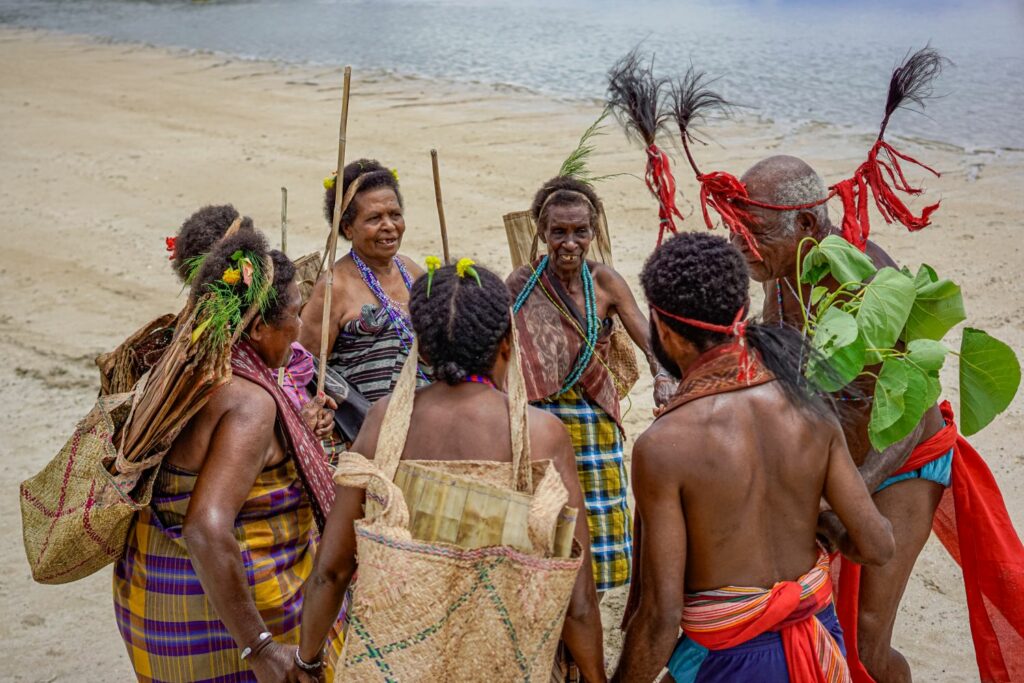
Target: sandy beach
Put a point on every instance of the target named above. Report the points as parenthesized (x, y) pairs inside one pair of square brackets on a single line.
[(107, 148)]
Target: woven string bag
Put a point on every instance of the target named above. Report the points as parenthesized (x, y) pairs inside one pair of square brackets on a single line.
[(428, 610), (523, 245)]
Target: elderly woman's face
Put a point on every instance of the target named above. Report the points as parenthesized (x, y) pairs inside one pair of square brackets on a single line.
[(376, 232), (568, 234)]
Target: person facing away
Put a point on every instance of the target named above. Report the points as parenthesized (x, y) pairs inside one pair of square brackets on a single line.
[(464, 331), (563, 308), (208, 588), (728, 483)]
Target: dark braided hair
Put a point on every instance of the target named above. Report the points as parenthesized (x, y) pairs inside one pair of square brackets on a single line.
[(562, 192), (200, 232), (374, 176), (701, 276), (253, 242), (461, 324)]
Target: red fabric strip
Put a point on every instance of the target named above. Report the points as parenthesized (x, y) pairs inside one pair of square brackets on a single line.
[(662, 185)]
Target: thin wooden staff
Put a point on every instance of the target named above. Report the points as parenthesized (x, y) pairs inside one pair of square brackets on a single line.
[(440, 206), (284, 220), (332, 242)]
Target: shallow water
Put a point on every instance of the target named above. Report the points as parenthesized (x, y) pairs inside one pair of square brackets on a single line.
[(790, 62)]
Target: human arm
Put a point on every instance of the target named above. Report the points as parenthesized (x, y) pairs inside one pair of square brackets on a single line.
[(318, 414), (582, 630), (652, 633), (864, 535), (878, 467), (639, 330), (239, 449), (312, 314)]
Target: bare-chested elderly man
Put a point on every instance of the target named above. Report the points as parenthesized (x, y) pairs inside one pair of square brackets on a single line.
[(910, 499), (728, 482)]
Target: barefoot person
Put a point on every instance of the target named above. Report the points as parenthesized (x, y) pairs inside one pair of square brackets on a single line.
[(464, 329), (728, 481), (209, 584), (908, 479), (370, 334), (563, 307)]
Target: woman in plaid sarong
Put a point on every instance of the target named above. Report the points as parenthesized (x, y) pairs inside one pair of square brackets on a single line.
[(563, 308), (209, 585)]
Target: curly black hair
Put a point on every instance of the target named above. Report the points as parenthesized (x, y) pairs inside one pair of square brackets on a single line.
[(374, 176), (701, 276), (253, 242), (564, 191), (461, 324), (200, 232)]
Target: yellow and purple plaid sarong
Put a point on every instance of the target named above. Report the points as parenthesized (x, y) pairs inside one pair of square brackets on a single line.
[(599, 463), (168, 624)]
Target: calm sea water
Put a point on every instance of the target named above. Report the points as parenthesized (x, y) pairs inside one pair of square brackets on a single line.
[(791, 62)]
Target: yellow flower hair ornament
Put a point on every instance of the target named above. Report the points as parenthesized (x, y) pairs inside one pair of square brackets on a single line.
[(433, 263), (394, 174), (231, 276), (465, 267), (330, 181)]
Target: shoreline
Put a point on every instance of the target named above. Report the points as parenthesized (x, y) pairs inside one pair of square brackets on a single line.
[(110, 146)]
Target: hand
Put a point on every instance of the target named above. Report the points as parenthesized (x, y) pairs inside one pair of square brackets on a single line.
[(275, 663), (664, 388), (830, 530), (318, 414)]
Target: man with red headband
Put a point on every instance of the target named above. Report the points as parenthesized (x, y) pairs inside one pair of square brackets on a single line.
[(909, 479), (728, 481)]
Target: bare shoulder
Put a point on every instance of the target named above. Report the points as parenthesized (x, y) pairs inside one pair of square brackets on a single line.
[(414, 268), (606, 275), (545, 429), (369, 433), (243, 398)]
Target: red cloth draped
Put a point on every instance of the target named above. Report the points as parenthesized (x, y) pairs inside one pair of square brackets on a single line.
[(301, 443), (662, 185), (720, 191), (972, 522), (871, 175)]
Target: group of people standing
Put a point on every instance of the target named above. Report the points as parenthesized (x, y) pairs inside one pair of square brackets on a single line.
[(745, 484)]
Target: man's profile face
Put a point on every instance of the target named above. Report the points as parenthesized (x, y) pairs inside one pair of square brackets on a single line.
[(776, 239)]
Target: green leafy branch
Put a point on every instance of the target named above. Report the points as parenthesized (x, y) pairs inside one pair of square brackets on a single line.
[(896, 320)]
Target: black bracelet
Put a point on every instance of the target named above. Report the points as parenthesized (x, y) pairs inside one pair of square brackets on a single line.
[(309, 666)]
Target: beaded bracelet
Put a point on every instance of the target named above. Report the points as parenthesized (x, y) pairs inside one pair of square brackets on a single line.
[(309, 666)]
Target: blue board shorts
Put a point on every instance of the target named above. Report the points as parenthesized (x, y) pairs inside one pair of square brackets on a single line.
[(939, 470)]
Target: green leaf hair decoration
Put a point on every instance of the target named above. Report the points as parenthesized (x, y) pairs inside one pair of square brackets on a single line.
[(465, 267), (225, 301), (575, 165), (433, 263)]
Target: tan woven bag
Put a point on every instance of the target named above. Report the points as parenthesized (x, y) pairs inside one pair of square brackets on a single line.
[(434, 611), (523, 243)]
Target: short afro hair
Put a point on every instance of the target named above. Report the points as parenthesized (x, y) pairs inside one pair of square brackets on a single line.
[(700, 276), (563, 191), (253, 242), (461, 324), (200, 232), (374, 176)]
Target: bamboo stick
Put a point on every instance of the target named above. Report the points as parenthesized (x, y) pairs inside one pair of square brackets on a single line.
[(332, 242), (440, 206), (284, 221)]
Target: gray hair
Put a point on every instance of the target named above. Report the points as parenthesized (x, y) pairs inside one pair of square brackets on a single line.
[(802, 189)]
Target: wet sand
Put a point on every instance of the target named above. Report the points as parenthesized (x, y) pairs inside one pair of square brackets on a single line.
[(107, 148)]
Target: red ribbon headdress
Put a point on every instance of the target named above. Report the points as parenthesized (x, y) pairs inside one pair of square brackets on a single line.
[(634, 96), (880, 175), (737, 330)]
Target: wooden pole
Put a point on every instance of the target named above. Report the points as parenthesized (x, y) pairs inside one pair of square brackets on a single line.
[(440, 206), (284, 220), (332, 242)]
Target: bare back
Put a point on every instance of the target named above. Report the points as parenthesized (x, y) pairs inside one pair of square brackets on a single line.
[(751, 469)]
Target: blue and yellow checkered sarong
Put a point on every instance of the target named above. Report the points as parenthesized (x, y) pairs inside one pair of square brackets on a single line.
[(599, 462)]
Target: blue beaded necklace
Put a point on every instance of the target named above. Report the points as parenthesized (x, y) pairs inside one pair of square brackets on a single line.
[(402, 323), (590, 306)]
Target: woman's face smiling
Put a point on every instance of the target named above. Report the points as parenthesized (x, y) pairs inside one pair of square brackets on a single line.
[(568, 235), (376, 232)]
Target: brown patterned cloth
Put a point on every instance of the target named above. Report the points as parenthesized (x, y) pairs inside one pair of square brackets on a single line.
[(300, 443), (714, 372), (550, 344)]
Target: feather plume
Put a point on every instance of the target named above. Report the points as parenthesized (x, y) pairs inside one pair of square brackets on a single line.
[(912, 81), (634, 97), (692, 100)]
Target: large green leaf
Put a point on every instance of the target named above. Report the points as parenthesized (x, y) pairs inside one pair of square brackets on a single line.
[(938, 306), (989, 378), (837, 340), (835, 255), (921, 392), (884, 308), (890, 390), (927, 354)]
